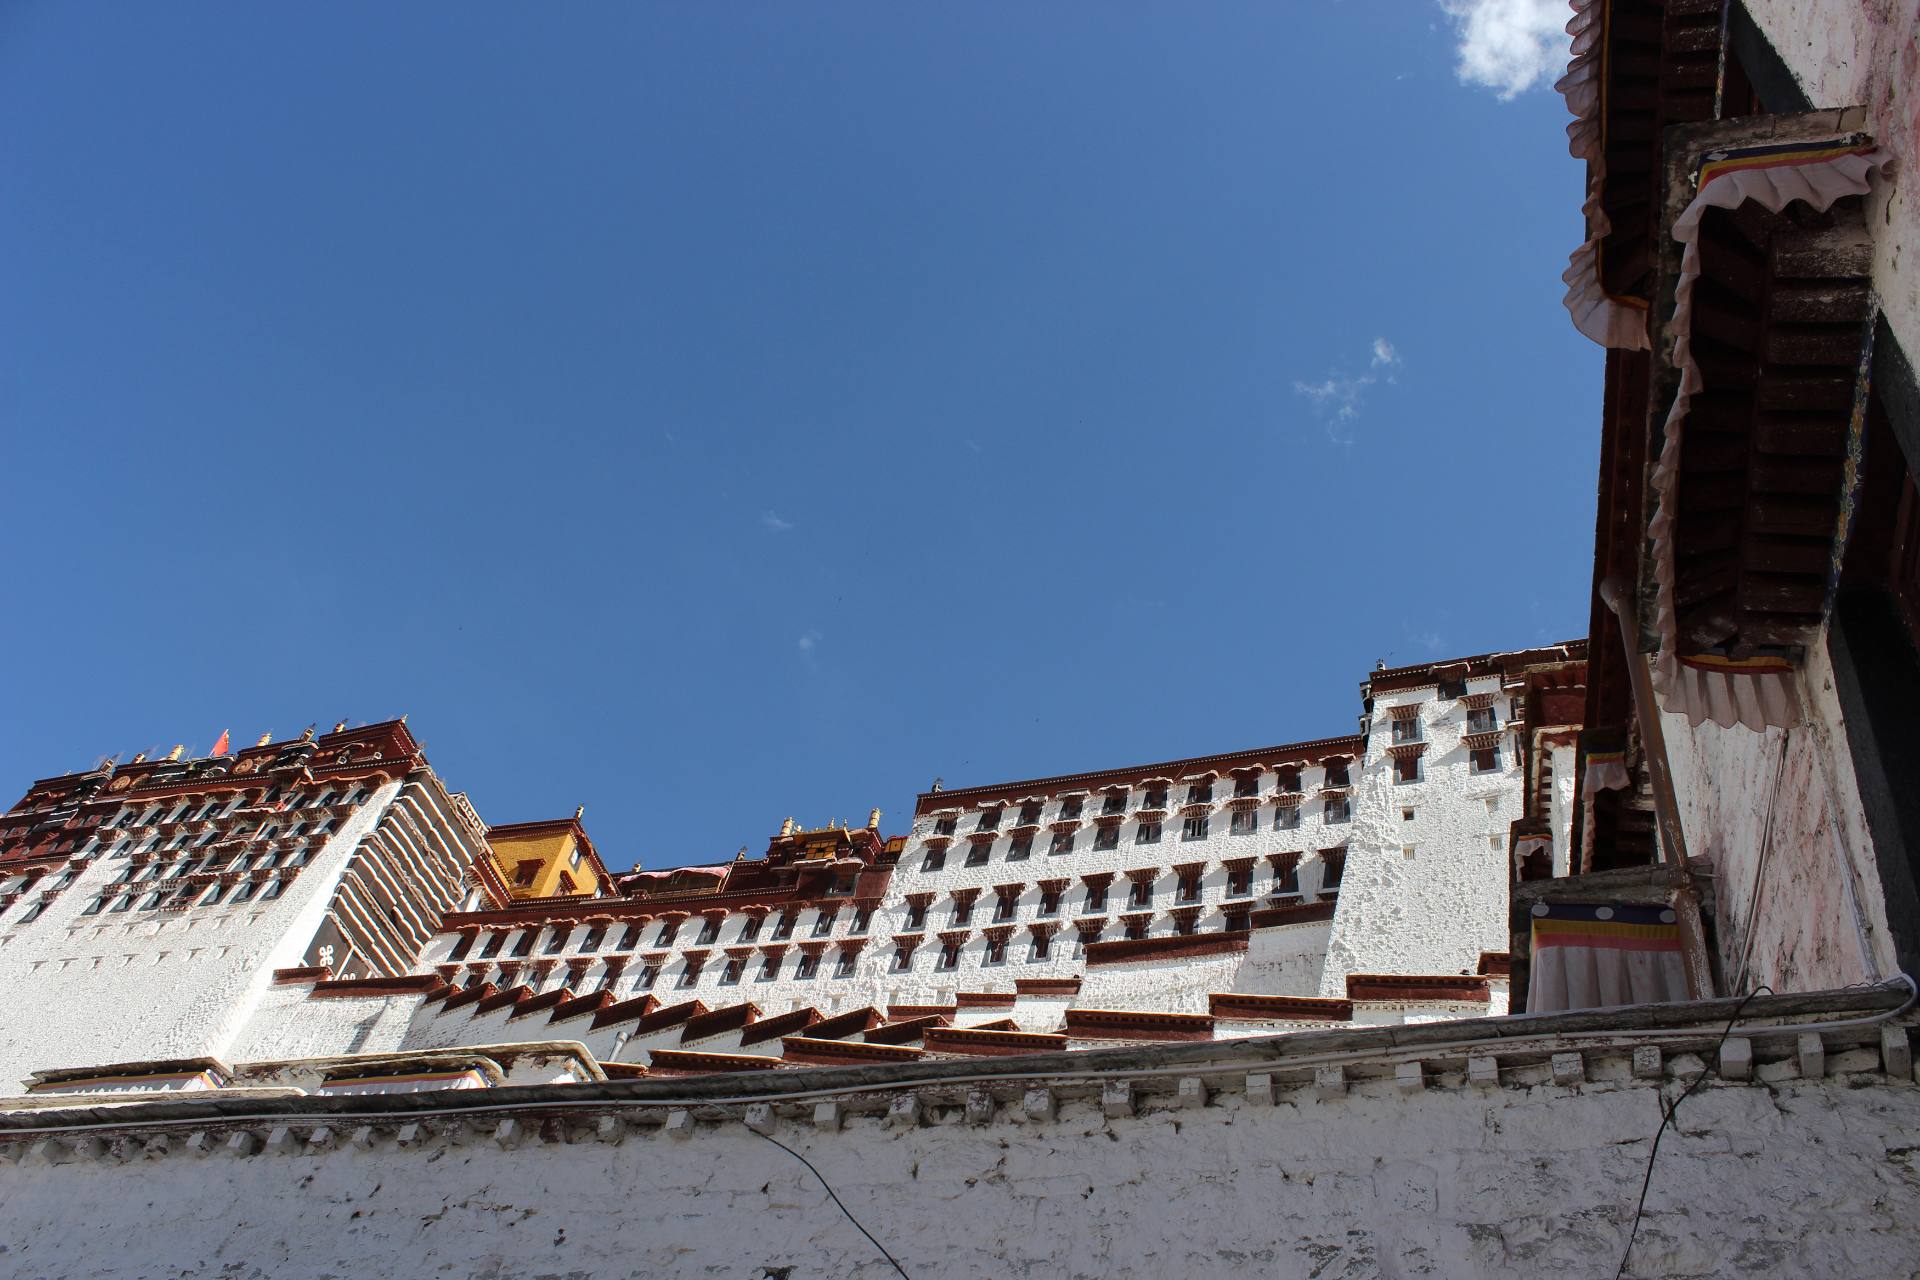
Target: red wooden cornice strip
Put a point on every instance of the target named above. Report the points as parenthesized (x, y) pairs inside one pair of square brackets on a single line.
[(835, 1052), (779, 1025), (850, 1023), (1171, 946), (905, 1030), (974, 1040), (671, 1016), (727, 1018), (311, 973), (1450, 988), (501, 999), (1127, 1024), (693, 1062), (592, 1003), (401, 984), (1293, 913), (1280, 1008), (637, 1007)]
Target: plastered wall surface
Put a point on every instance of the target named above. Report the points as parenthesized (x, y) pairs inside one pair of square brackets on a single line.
[(1432, 910), (288, 1024), (1801, 907), (1179, 985), (1795, 1178)]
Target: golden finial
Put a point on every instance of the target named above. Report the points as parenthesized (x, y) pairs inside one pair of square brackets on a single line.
[(265, 738), (306, 734), (340, 727), (138, 756), (579, 812), (786, 828), (873, 818), (178, 747)]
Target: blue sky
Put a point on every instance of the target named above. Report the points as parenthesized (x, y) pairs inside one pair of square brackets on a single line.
[(713, 413)]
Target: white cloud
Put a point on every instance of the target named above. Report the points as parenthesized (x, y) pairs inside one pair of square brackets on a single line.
[(771, 521), (1510, 45), (809, 641), (1338, 398)]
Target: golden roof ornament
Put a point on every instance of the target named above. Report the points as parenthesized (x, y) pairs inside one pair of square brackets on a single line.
[(579, 812), (341, 727), (786, 828), (873, 818), (178, 747), (265, 738)]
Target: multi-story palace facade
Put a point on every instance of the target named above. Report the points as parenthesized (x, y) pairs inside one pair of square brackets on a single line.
[(330, 895)]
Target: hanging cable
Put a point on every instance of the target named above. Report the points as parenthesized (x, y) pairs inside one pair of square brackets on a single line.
[(836, 1199), (1667, 1119)]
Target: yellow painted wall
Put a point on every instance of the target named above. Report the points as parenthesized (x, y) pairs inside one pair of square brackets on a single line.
[(555, 855)]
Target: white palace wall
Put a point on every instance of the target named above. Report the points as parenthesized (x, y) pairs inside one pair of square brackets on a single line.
[(90, 990), (1782, 1176), (1428, 895)]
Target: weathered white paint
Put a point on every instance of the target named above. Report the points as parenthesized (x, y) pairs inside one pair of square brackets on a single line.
[(1177, 985), (1286, 960), (1779, 814), (1435, 910), (287, 1023), (1451, 1178)]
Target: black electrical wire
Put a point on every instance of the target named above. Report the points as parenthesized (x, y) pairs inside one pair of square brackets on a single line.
[(843, 1208), (1667, 1119)]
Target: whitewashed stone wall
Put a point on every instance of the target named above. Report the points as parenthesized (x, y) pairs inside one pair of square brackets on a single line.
[(288, 1023), (1862, 53), (1179, 984), (1287, 960), (88, 990), (1435, 909), (1790, 1178)]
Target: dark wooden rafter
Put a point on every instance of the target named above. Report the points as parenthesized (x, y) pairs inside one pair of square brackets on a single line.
[(1661, 66), (1779, 316)]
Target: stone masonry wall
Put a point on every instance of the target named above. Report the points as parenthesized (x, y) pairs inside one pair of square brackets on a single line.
[(1780, 1177)]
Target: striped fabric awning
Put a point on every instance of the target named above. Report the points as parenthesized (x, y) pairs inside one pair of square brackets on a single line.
[(1588, 956)]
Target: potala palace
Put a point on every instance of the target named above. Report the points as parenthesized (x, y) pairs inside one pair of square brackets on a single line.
[(1591, 959)]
